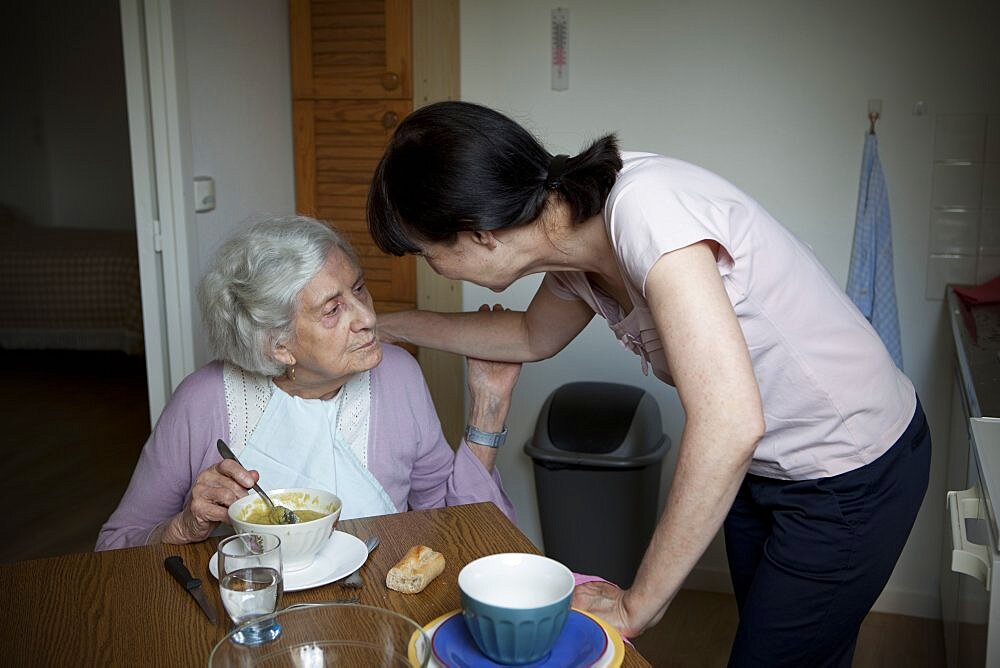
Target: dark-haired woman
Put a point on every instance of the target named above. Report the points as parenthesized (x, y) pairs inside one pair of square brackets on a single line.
[(801, 435)]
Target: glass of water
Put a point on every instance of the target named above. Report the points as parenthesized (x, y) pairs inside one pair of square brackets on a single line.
[(251, 585)]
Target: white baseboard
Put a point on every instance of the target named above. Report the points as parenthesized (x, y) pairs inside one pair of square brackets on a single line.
[(893, 600)]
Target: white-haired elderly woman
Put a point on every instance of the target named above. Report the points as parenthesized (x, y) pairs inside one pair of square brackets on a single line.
[(305, 395)]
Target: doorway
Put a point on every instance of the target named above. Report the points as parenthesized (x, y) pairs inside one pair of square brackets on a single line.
[(74, 401)]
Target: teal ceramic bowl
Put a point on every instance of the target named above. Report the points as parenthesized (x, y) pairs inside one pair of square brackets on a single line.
[(515, 605)]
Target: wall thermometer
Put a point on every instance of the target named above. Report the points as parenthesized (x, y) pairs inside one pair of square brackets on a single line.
[(560, 48)]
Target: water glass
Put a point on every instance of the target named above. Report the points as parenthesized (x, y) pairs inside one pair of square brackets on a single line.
[(332, 634), (251, 584)]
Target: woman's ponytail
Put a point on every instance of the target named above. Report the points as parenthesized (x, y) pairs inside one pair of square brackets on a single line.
[(586, 179)]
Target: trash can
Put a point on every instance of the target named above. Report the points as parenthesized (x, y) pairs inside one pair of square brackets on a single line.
[(598, 449)]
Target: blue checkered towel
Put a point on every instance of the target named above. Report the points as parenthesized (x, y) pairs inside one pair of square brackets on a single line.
[(870, 281)]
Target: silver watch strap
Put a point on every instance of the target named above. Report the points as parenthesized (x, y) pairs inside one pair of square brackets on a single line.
[(491, 439)]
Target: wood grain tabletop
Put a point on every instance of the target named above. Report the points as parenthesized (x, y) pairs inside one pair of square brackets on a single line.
[(121, 607)]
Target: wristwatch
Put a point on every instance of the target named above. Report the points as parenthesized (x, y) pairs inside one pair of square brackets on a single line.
[(491, 439)]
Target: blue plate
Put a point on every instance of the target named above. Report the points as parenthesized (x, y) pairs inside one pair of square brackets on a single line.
[(581, 643)]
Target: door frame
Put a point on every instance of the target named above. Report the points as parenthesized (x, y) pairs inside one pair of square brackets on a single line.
[(162, 172), (436, 77), (160, 143)]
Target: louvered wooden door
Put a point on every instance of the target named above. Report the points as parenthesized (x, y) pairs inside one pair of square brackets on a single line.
[(338, 145), (351, 49), (352, 85)]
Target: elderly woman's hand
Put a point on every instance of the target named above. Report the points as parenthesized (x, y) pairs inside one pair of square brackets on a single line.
[(490, 386), (215, 489), (492, 383)]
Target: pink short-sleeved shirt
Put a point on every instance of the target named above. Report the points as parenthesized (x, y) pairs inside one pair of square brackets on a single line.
[(833, 399)]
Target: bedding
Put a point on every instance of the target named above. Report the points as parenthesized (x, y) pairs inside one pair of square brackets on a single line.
[(67, 288)]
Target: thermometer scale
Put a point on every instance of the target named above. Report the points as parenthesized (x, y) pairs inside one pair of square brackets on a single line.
[(560, 48)]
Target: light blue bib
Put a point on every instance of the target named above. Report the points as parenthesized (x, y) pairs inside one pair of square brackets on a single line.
[(296, 444)]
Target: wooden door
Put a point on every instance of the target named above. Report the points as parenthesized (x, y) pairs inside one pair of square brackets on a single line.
[(358, 66), (338, 144), (351, 49), (352, 84)]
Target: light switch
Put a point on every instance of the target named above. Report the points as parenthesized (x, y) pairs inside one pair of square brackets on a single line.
[(204, 193)]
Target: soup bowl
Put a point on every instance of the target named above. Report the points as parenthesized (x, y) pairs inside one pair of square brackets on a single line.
[(299, 542), (515, 605)]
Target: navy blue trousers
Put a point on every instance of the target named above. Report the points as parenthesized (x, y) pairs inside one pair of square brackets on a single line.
[(808, 558)]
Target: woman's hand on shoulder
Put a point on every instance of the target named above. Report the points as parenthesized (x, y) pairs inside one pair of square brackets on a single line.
[(215, 489), (385, 327)]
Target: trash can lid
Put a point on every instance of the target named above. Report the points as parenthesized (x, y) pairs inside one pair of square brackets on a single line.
[(592, 418), (599, 424)]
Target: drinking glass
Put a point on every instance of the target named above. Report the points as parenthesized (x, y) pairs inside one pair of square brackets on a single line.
[(251, 584), (332, 634)]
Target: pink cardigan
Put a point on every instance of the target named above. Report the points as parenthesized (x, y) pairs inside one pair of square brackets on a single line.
[(407, 451)]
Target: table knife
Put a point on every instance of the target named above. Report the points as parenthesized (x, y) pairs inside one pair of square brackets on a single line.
[(175, 566)]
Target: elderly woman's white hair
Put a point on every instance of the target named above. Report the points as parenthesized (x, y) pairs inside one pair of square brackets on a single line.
[(248, 297)]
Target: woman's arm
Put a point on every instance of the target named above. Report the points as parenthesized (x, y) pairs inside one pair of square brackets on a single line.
[(474, 477), (176, 495), (159, 487), (155, 493), (724, 420), (441, 476), (547, 327), (491, 385)]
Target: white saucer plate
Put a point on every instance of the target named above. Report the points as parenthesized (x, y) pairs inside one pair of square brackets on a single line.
[(342, 555)]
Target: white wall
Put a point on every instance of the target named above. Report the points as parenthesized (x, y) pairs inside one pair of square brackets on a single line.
[(239, 92), (773, 96)]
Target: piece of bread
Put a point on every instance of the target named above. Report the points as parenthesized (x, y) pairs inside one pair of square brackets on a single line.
[(415, 570)]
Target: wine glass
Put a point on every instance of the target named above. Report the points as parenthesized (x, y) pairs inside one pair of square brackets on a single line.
[(251, 584)]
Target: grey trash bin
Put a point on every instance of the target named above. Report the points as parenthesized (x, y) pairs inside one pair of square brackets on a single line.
[(597, 450)]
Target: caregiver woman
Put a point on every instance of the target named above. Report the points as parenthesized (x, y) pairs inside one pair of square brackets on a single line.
[(801, 435)]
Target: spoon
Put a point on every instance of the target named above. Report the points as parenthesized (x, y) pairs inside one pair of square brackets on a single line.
[(354, 579), (278, 514)]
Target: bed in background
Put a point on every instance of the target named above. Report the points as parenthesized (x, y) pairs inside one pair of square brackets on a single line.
[(70, 289)]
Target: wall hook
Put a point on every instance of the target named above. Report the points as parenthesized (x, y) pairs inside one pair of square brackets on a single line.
[(874, 113)]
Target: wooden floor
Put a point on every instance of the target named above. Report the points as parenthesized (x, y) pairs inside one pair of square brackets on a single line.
[(698, 628), (76, 422)]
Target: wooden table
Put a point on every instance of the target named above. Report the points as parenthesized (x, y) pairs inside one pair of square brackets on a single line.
[(121, 607)]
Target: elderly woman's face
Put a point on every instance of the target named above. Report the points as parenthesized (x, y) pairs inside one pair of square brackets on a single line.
[(334, 329)]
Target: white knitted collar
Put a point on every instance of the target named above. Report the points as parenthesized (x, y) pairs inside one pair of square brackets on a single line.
[(247, 395)]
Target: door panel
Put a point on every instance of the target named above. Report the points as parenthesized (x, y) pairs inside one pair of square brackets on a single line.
[(350, 49), (345, 142), (353, 81)]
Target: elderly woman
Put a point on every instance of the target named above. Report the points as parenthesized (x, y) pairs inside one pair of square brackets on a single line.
[(305, 395)]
